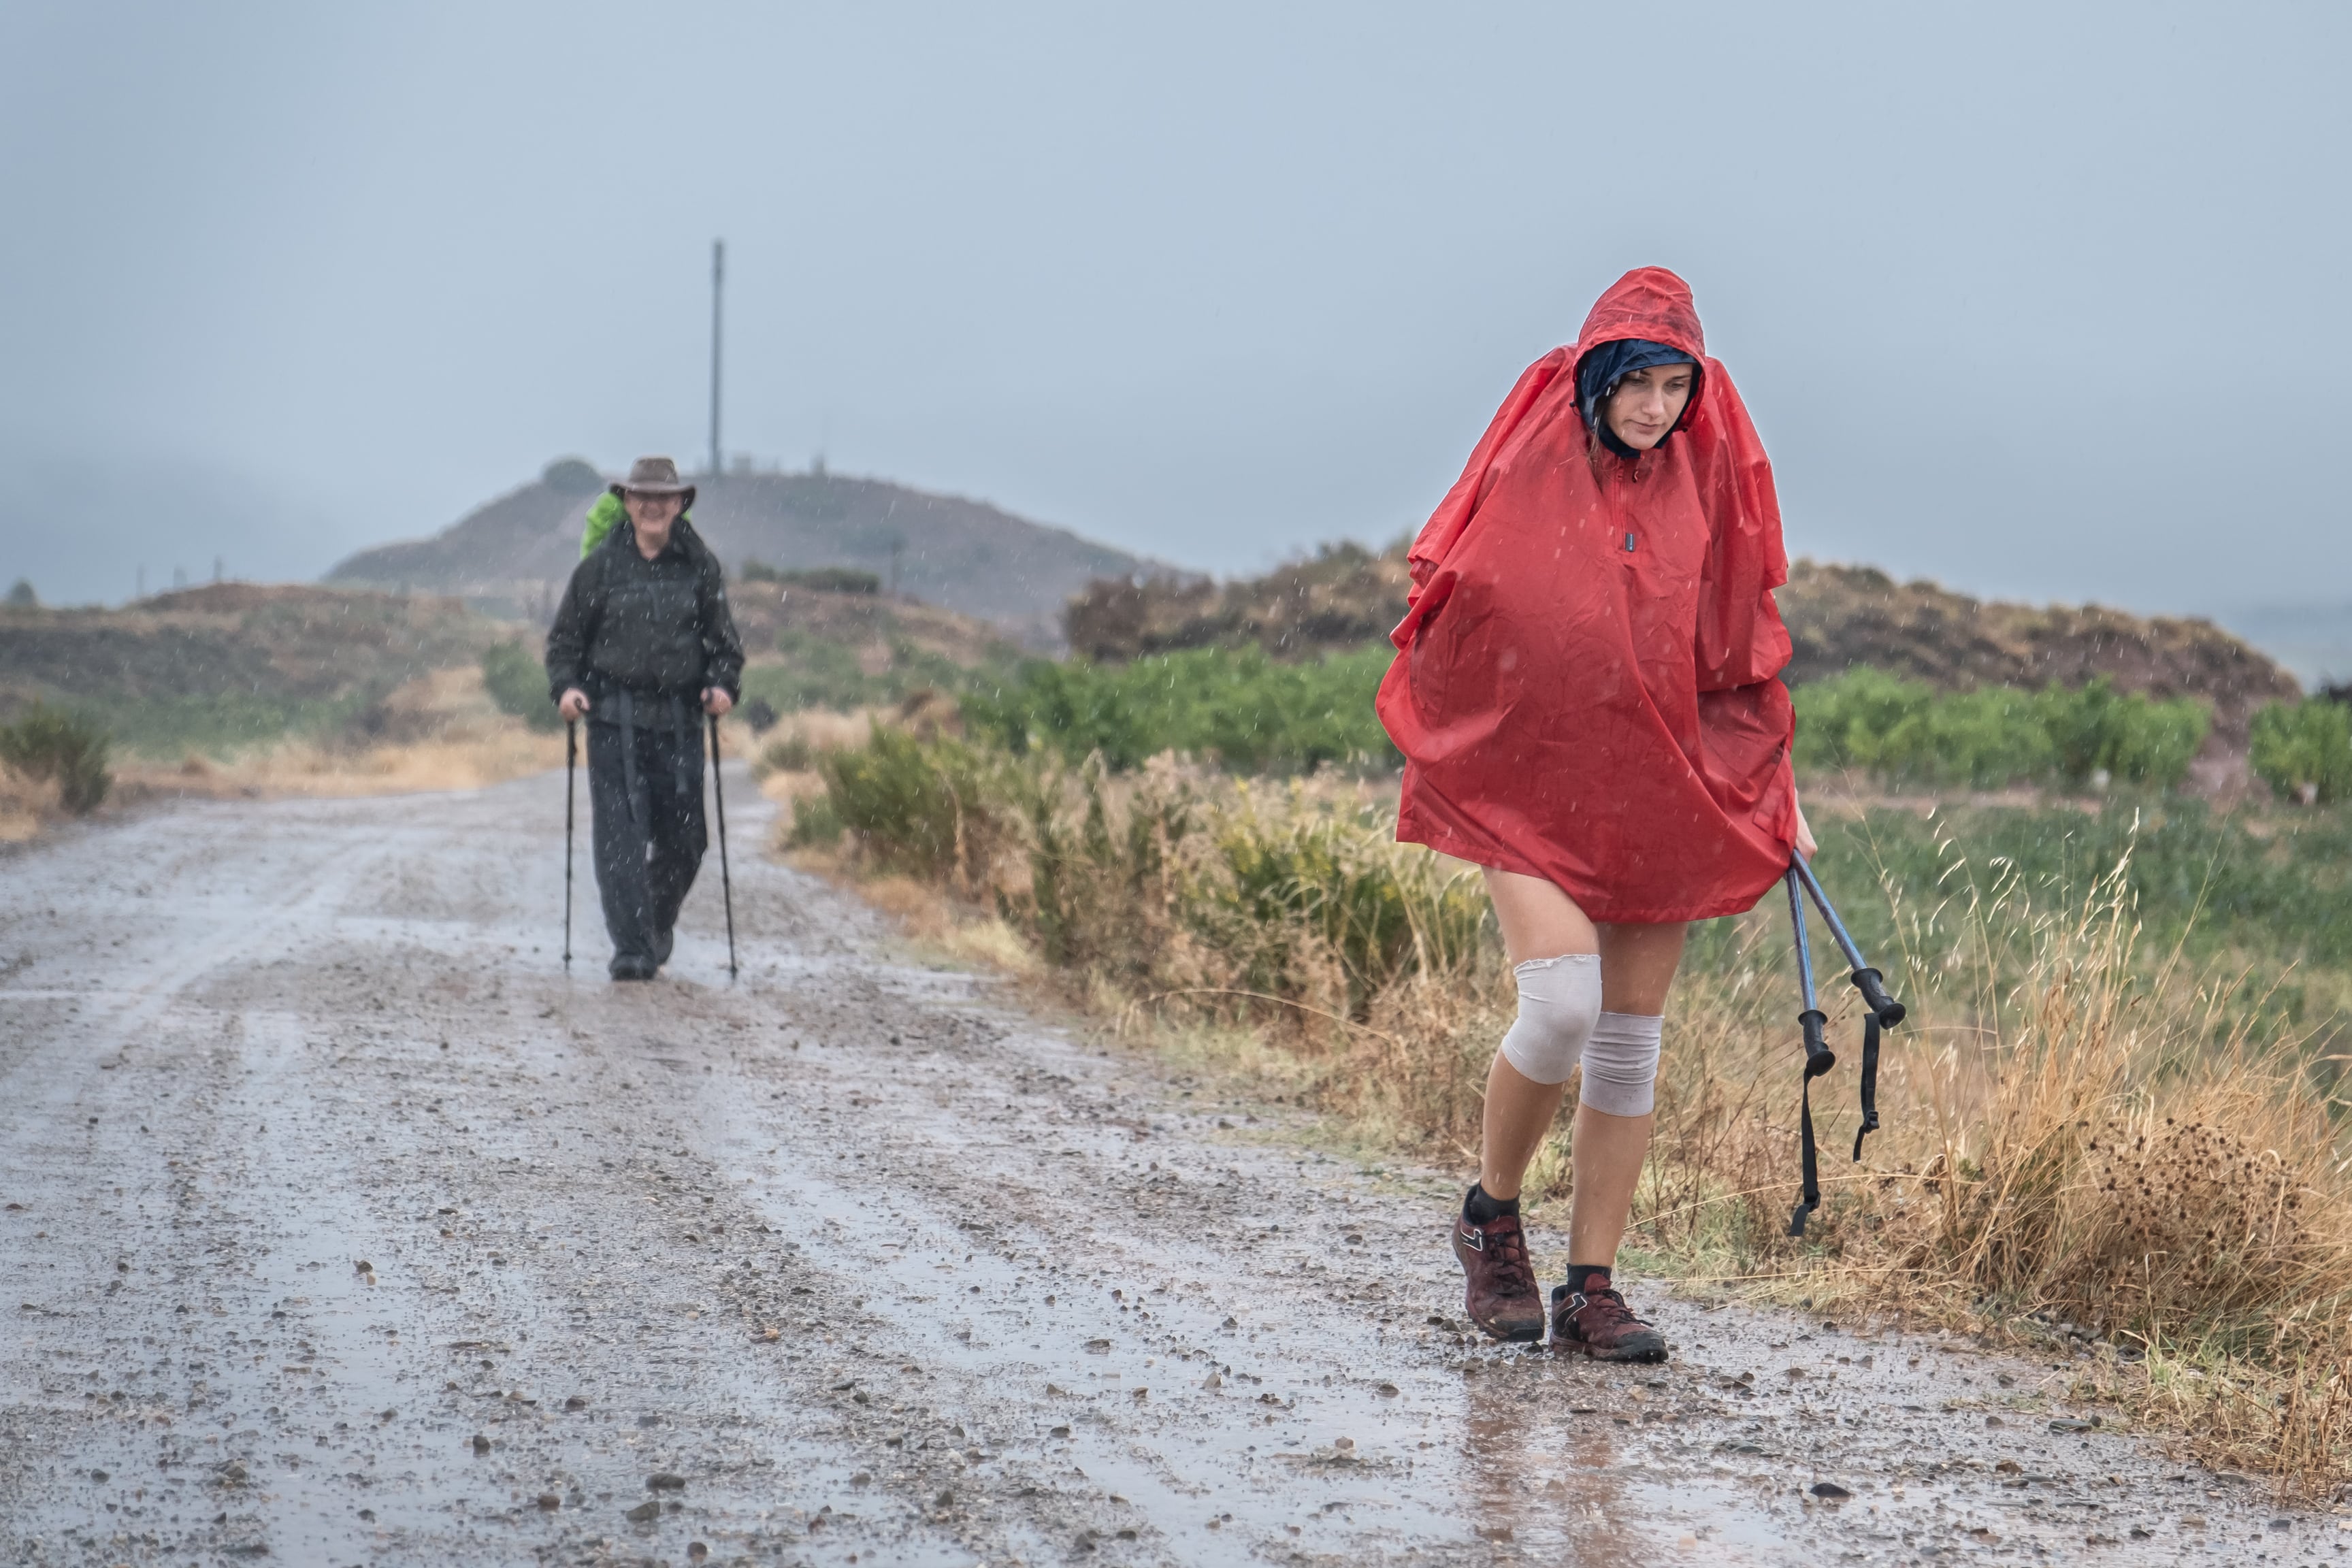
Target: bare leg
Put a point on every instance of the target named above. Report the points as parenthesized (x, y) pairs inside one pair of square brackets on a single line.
[(1538, 920), (1637, 970), (1605, 1152)]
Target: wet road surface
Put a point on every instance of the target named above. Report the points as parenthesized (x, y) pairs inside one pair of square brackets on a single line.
[(337, 1226)]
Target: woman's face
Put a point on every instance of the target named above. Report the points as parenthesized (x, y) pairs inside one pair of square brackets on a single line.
[(1647, 402)]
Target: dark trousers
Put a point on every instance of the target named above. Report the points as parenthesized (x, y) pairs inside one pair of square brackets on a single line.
[(644, 780)]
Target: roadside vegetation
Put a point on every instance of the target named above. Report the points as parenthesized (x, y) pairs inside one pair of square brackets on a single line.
[(1906, 732), (516, 679), (2112, 1121), (1237, 706), (47, 746)]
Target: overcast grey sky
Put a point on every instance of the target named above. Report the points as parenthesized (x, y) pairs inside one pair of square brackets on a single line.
[(2042, 300)]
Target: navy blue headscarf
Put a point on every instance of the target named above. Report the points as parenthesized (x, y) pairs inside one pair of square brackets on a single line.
[(1598, 373)]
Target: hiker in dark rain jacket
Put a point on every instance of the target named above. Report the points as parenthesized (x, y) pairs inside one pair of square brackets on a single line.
[(642, 646)]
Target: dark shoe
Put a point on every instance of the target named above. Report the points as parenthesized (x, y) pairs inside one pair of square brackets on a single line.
[(1599, 1323), (1503, 1297), (661, 948), (631, 966)]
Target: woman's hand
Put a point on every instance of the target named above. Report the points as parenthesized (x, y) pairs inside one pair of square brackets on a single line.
[(716, 702), (1805, 845), (574, 704)]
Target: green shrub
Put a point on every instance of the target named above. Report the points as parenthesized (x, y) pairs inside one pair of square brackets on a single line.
[(1905, 730), (815, 822), (2303, 750), (1379, 913), (52, 745), (2135, 738), (820, 673), (517, 684), (1236, 705), (929, 808)]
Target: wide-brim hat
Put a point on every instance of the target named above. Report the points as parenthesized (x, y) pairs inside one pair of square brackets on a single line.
[(654, 477)]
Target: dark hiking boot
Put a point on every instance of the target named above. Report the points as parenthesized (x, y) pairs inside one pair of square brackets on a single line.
[(631, 966), (1501, 1297), (661, 945), (1598, 1324)]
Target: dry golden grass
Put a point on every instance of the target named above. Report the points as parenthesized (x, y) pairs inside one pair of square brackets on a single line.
[(2084, 1147), (442, 733), (26, 807)]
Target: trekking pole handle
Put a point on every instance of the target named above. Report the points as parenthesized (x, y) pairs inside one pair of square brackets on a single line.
[(1883, 1007), (1818, 1058)]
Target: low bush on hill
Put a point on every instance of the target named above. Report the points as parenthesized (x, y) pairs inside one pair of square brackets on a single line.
[(50, 745), (2303, 750), (822, 673), (518, 683), (1906, 732), (1237, 706)]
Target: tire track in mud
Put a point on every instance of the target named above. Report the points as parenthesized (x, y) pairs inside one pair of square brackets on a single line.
[(868, 1263)]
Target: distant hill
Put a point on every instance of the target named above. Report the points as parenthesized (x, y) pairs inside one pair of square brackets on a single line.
[(513, 555)]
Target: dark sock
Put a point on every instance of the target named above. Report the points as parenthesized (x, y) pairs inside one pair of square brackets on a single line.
[(1581, 1276), (1480, 1209)]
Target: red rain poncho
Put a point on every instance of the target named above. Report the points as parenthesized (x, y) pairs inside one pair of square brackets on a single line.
[(1584, 689)]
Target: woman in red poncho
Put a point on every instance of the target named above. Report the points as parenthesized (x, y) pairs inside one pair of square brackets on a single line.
[(1585, 696)]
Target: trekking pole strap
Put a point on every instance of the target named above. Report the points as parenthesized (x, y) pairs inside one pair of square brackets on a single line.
[(1869, 1082), (1819, 1060)]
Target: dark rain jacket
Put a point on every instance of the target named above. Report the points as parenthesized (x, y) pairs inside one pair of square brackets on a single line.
[(657, 629)]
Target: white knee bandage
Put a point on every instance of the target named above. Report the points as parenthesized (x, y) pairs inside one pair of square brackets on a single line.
[(1558, 1000), (1621, 1064)]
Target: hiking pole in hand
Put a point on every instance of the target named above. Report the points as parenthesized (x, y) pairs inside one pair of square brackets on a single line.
[(726, 883), (1884, 1012), (571, 766), (1818, 1058)]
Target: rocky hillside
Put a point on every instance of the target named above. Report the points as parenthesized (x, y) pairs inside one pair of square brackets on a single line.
[(1838, 617), (1342, 597), (512, 555)]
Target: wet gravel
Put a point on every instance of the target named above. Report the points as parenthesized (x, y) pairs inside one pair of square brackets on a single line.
[(337, 1226)]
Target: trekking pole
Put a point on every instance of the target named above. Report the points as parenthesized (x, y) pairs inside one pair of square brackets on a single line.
[(1866, 980), (1884, 1012), (571, 764), (726, 883), (1818, 1058)]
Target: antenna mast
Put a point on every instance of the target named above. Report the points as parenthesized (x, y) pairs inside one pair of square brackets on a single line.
[(717, 287)]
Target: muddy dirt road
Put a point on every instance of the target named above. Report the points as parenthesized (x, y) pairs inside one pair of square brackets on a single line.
[(339, 1227)]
